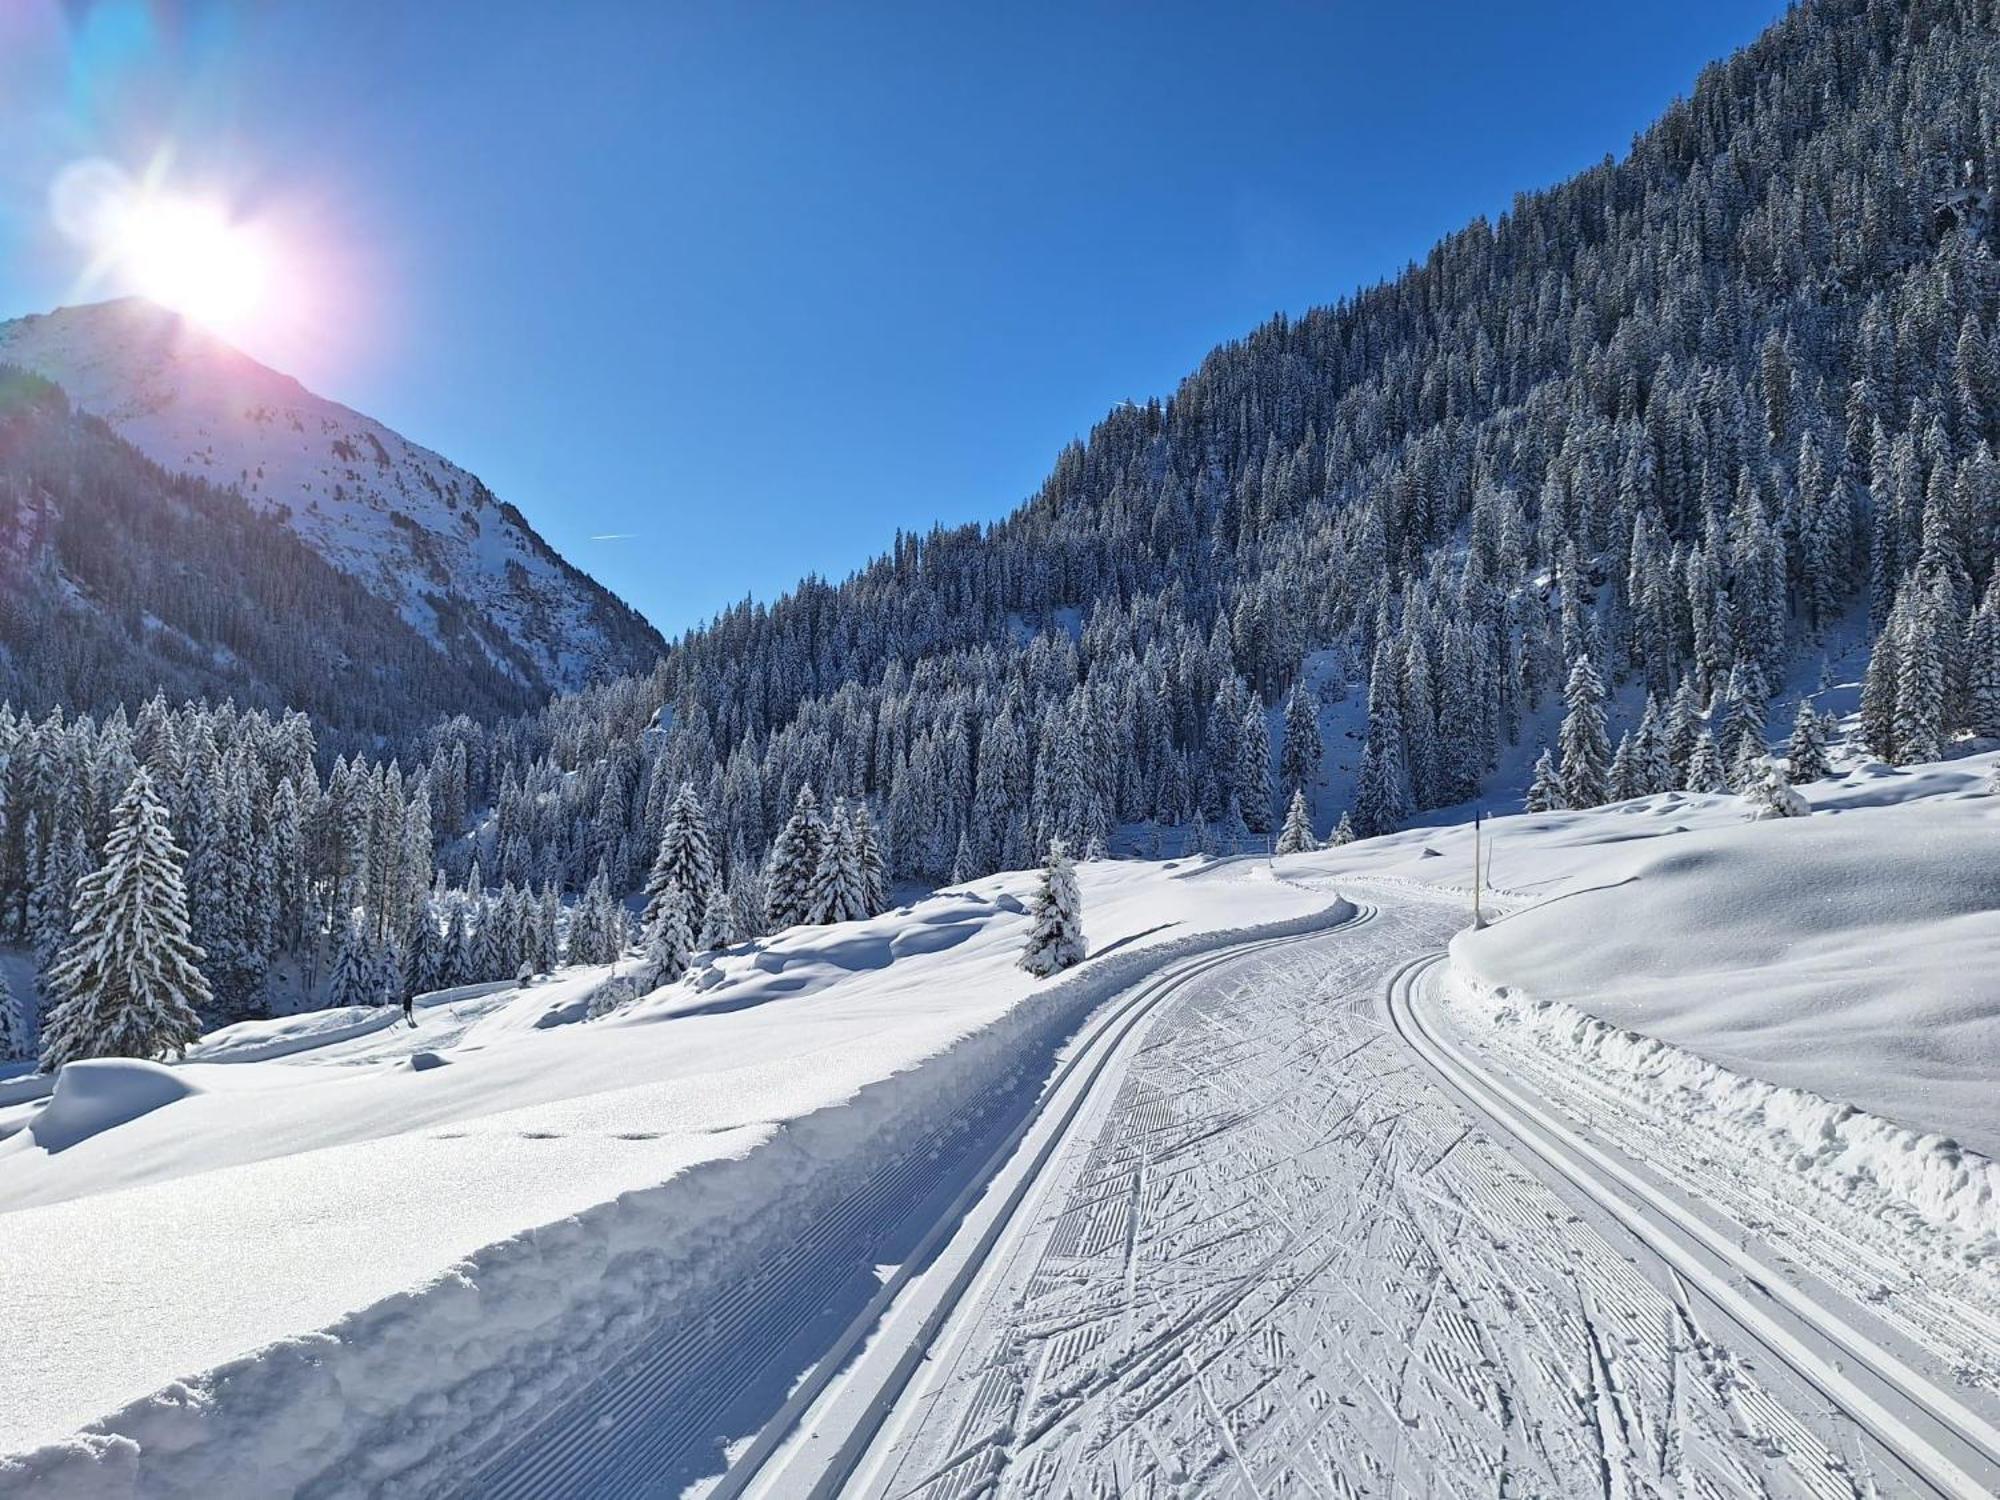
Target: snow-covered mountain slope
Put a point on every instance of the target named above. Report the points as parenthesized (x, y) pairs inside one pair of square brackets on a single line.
[(415, 529)]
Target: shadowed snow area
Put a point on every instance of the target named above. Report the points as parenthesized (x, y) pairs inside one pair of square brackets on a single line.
[(99, 1095)]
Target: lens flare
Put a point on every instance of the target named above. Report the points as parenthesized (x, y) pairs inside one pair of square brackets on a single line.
[(188, 256), (183, 252)]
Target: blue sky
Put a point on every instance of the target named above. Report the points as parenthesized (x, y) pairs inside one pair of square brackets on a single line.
[(753, 285)]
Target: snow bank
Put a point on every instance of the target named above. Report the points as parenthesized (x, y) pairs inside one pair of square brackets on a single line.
[(1918, 1183), (1851, 953), (97, 1095), (468, 1239), (1856, 957)]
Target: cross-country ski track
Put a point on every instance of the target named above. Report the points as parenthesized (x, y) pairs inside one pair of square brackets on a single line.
[(1275, 1233), (1265, 1224)]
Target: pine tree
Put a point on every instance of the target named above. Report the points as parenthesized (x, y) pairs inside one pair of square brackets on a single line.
[(718, 920), (352, 980), (1624, 774), (1343, 832), (1982, 663), (1297, 834), (1055, 931), (1303, 745), (793, 862), (1805, 752), (1381, 795), (129, 984), (836, 893), (868, 852), (686, 859), (1545, 788), (1585, 746), (669, 943), (17, 1031), (1704, 770)]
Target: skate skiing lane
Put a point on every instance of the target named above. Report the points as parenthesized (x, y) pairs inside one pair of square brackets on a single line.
[(846, 1411), (1946, 1447)]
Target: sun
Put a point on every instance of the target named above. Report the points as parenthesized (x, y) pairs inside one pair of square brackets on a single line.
[(185, 250), (188, 256)]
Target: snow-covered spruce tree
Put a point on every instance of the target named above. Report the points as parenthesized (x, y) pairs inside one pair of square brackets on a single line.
[(1096, 849), (17, 1032), (351, 980), (1381, 795), (718, 920), (686, 858), (1652, 767), (793, 862), (1624, 775), (669, 941), (1585, 747), (1746, 761), (130, 982), (961, 862), (836, 893), (1704, 769), (1545, 788), (1055, 931), (1296, 837), (1805, 752), (868, 853), (392, 980), (1343, 832), (1299, 762), (1982, 663), (1770, 794)]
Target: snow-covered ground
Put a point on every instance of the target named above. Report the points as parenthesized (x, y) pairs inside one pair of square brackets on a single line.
[(1852, 953), (1257, 1225), (365, 1251)]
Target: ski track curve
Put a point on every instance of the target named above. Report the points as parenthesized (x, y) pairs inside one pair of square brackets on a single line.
[(1948, 1448), (650, 1421), (1283, 1253)]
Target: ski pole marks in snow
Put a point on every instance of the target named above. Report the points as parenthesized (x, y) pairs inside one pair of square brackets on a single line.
[(1286, 1266)]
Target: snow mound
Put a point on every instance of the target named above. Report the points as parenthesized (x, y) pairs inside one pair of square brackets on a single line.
[(101, 1094)]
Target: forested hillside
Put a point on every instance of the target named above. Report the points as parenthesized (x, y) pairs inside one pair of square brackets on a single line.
[(1659, 428), (1668, 420)]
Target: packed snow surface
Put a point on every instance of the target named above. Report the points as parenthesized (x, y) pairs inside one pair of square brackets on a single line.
[(459, 1183)]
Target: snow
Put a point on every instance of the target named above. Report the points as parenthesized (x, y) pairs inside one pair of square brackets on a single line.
[(439, 1229), (407, 523), (95, 1095), (1849, 953)]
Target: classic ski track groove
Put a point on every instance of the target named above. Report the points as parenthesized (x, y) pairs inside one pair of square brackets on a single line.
[(1672, 1232)]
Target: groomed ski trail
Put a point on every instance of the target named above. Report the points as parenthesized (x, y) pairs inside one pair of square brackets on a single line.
[(1283, 1258)]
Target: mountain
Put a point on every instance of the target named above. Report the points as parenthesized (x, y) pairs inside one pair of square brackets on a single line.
[(462, 568), (119, 579)]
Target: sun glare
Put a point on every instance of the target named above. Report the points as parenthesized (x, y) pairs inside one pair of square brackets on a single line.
[(188, 256), (184, 252)]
